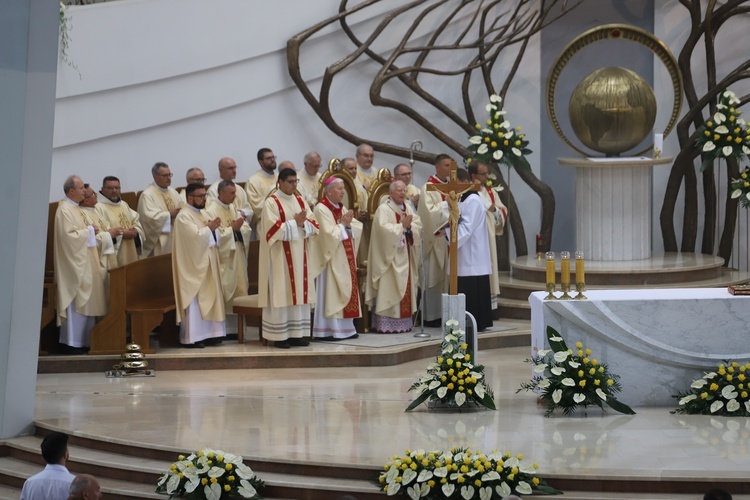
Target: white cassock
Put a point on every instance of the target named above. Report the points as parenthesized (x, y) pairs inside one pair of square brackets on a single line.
[(495, 225), (257, 189), (310, 185), (232, 250), (474, 267), (334, 263), (433, 210), (197, 279), (121, 215), (285, 288), (80, 279), (240, 201), (154, 205), (393, 268)]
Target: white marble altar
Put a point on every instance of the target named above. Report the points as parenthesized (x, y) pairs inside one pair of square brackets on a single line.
[(613, 206), (657, 340)]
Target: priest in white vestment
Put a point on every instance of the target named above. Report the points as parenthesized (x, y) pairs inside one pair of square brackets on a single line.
[(195, 272), (433, 210), (393, 263), (474, 267), (403, 172), (309, 176), (80, 280), (158, 206), (496, 215), (366, 173), (117, 213), (234, 238), (260, 185), (285, 288), (106, 235), (228, 172), (194, 175), (334, 263)]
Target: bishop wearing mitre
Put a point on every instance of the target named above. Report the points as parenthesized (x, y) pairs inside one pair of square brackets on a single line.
[(195, 272), (234, 239), (393, 263), (285, 287), (334, 263)]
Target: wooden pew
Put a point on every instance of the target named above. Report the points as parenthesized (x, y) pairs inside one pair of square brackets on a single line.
[(144, 291)]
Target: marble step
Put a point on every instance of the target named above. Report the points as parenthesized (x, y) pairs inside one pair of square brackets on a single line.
[(8, 493)]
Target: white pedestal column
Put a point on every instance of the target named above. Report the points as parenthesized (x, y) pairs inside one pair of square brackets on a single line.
[(613, 207)]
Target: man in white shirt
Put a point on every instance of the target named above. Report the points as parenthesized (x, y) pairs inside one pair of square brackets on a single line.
[(53, 483)]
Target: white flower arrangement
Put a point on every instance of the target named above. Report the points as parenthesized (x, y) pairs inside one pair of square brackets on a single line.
[(209, 475), (724, 135), (498, 141), (453, 379), (725, 392)]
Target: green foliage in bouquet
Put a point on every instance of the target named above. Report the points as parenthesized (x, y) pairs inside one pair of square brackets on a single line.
[(461, 474), (724, 392), (724, 135), (453, 379), (209, 475), (498, 141), (741, 188), (568, 378)]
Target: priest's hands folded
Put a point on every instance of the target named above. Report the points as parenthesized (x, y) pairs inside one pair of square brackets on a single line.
[(406, 221), (213, 223), (115, 232), (237, 224), (346, 218), (300, 218)]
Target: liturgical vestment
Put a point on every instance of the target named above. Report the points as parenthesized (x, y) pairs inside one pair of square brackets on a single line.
[(393, 265), (310, 186), (79, 275), (154, 205), (240, 201), (495, 224), (285, 288), (257, 189), (121, 215), (433, 210), (197, 280), (334, 264), (232, 249)]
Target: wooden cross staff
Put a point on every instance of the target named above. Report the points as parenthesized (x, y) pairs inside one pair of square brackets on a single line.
[(452, 190)]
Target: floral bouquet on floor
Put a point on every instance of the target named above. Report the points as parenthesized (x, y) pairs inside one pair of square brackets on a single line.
[(211, 475), (725, 392), (462, 474), (568, 379), (453, 379)]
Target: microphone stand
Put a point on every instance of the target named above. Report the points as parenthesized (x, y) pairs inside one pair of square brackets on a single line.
[(417, 146)]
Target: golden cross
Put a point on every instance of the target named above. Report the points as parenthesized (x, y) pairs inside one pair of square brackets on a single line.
[(453, 189)]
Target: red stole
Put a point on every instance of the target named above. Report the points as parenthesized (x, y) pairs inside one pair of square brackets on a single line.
[(434, 180), (352, 309)]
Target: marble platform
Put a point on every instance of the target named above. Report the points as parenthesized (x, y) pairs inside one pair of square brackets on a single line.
[(657, 340)]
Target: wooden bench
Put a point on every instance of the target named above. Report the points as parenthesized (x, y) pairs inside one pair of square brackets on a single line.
[(144, 291), (247, 306)]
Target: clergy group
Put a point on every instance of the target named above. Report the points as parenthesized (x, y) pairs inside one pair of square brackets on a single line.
[(322, 265)]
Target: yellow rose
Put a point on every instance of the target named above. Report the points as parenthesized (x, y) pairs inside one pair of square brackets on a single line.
[(585, 361), (399, 479), (610, 381), (489, 122), (450, 362), (460, 480), (440, 360), (227, 488), (744, 394), (451, 371), (431, 483), (496, 125), (229, 466), (741, 376), (467, 357), (744, 175), (594, 362), (204, 481), (511, 476), (579, 345), (714, 386), (443, 378), (518, 128), (230, 478), (486, 139), (505, 142), (597, 381), (444, 480), (413, 466), (582, 383), (450, 387), (716, 137), (729, 378), (458, 364), (493, 144), (461, 388), (180, 475), (738, 140), (478, 126), (518, 143), (580, 353), (181, 457), (580, 373), (592, 371), (709, 123), (704, 395)]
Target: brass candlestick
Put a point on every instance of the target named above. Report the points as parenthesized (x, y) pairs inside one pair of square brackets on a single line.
[(580, 277), (565, 275), (550, 275)]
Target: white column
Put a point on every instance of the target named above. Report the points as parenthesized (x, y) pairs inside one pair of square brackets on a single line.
[(28, 68)]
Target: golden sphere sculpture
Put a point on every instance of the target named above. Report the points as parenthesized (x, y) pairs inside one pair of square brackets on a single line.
[(612, 110)]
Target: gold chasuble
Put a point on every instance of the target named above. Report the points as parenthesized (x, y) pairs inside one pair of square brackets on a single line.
[(154, 205), (339, 260), (78, 272), (232, 251), (286, 248), (367, 178), (240, 201), (495, 225), (195, 266), (121, 215), (257, 189), (393, 262), (309, 184), (433, 210)]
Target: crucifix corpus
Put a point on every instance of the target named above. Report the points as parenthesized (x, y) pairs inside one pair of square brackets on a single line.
[(454, 305)]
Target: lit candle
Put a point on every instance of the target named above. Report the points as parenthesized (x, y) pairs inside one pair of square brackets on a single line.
[(580, 277), (550, 267), (659, 142), (565, 268)]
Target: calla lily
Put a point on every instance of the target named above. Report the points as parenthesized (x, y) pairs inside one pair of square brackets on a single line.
[(543, 384), (490, 107), (485, 493), (733, 405), (523, 488), (447, 488), (687, 399), (442, 392), (495, 98), (727, 150), (601, 394), (475, 139), (716, 406), (460, 398), (719, 117), (508, 135), (556, 339), (708, 146), (574, 364), (482, 149), (542, 352), (408, 477), (539, 368), (745, 150), (561, 356), (479, 390), (516, 151), (505, 124), (557, 396), (568, 382), (503, 490), (424, 475), (721, 129), (467, 492), (729, 392), (497, 155), (557, 370), (697, 384), (736, 193), (578, 397)]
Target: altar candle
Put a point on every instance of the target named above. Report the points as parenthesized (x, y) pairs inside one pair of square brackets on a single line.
[(550, 267), (659, 142), (565, 268), (539, 243), (580, 277)]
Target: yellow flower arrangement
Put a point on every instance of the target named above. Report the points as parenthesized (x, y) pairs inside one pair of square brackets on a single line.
[(717, 393), (498, 141), (724, 134)]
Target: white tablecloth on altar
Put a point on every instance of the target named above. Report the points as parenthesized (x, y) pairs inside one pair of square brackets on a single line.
[(657, 340)]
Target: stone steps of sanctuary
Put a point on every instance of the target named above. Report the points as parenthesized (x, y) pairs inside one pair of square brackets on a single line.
[(661, 271)]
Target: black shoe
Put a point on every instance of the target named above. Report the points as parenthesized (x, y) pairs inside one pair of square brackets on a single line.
[(355, 336), (212, 342), (69, 349), (298, 342), (324, 339), (195, 345), (282, 345), (433, 323)]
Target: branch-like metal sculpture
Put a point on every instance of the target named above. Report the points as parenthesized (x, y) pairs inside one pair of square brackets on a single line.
[(703, 29), (485, 29)]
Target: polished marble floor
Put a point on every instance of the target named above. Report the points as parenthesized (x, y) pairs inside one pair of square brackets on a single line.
[(356, 416)]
